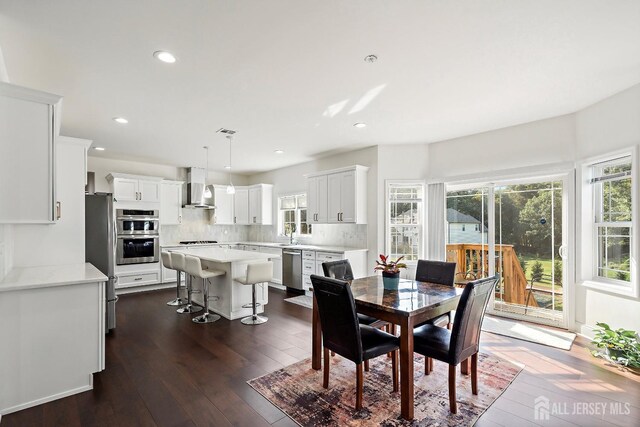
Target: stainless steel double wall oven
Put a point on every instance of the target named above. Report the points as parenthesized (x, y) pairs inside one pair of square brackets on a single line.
[(138, 236)]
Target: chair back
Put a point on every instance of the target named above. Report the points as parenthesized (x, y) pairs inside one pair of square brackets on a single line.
[(340, 269), (259, 272), (443, 273), (193, 266), (465, 335), (166, 260), (337, 309), (178, 261)]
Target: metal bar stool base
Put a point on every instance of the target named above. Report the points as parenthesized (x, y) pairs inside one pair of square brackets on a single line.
[(254, 320), (177, 301), (206, 318), (189, 308)]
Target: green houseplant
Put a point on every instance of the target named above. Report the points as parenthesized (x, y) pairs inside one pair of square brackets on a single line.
[(620, 346), (389, 268)]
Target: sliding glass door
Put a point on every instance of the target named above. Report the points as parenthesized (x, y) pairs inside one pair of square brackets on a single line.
[(514, 228)]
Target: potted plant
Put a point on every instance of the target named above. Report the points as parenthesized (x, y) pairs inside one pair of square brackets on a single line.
[(390, 270), (621, 346)]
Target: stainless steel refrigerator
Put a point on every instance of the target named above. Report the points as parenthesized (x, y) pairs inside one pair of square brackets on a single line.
[(100, 246)]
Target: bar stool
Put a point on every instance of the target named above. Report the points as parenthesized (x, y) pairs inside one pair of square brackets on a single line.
[(166, 262), (179, 264), (256, 273), (194, 268)]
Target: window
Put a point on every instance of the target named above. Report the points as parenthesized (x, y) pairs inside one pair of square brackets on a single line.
[(293, 215), (404, 220), (612, 194)]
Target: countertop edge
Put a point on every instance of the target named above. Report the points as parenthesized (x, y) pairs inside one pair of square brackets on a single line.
[(80, 276)]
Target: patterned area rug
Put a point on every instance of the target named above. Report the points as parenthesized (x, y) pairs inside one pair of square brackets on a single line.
[(297, 391)]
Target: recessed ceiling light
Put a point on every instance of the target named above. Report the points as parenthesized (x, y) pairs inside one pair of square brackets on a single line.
[(120, 120), (279, 151), (98, 148), (360, 125), (164, 56), (370, 58), (227, 167)]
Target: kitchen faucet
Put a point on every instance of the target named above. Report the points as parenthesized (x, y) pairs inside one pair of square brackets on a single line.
[(293, 229)]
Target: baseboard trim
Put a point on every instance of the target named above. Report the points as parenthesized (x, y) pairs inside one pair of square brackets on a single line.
[(146, 288), (47, 399), (584, 330)]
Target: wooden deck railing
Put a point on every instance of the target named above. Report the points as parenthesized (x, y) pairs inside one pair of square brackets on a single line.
[(474, 258)]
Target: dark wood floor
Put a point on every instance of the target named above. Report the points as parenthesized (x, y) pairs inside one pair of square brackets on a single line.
[(161, 369)]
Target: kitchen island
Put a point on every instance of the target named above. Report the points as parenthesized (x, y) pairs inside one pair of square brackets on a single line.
[(231, 295)]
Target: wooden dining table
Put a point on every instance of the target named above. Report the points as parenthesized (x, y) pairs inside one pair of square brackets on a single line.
[(410, 304)]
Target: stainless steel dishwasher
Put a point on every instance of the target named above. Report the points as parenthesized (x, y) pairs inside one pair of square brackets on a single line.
[(292, 268)]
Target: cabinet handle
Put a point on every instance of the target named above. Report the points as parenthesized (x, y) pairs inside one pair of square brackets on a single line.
[(138, 278), (58, 210), (338, 216), (140, 193), (180, 219), (234, 219)]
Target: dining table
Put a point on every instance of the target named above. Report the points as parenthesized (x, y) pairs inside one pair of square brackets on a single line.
[(410, 303)]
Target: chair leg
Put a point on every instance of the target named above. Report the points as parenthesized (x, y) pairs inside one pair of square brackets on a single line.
[(394, 369), (449, 325), (366, 365), (431, 365), (359, 385), (464, 367), (474, 374), (333, 353), (452, 389), (327, 362), (427, 365)]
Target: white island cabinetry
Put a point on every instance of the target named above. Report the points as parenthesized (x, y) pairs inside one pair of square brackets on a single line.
[(231, 295)]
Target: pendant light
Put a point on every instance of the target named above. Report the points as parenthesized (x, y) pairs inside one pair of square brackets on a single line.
[(207, 191), (230, 188)]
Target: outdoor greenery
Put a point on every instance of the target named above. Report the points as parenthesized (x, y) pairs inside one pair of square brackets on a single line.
[(621, 346)]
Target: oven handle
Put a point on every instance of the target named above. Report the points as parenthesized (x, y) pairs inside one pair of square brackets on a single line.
[(138, 236), (140, 218)]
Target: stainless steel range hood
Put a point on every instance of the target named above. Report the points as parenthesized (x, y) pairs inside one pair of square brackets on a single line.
[(194, 194)]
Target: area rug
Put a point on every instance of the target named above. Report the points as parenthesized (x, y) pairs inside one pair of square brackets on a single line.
[(297, 391), (529, 332), (303, 300)]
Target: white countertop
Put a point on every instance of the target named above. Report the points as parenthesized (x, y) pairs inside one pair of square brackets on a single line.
[(320, 248), (224, 255), (20, 278)]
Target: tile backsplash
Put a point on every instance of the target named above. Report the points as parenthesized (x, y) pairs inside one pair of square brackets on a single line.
[(197, 225), (348, 235)]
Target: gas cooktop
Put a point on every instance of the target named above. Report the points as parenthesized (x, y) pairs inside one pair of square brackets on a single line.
[(197, 242)]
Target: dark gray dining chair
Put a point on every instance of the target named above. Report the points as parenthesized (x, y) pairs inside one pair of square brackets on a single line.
[(463, 341), (344, 335)]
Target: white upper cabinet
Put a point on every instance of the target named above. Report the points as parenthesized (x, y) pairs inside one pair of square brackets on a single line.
[(224, 205), (170, 202), (241, 206), (317, 200), (261, 204), (338, 196), (125, 189), (150, 191), (28, 130), (133, 188)]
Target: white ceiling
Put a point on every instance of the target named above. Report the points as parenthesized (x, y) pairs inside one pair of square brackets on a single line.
[(290, 74)]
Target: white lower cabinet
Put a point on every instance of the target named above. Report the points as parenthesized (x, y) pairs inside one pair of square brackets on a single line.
[(128, 280)]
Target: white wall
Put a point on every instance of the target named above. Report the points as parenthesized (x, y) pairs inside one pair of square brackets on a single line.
[(6, 230), (530, 144), (609, 125), (102, 166)]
